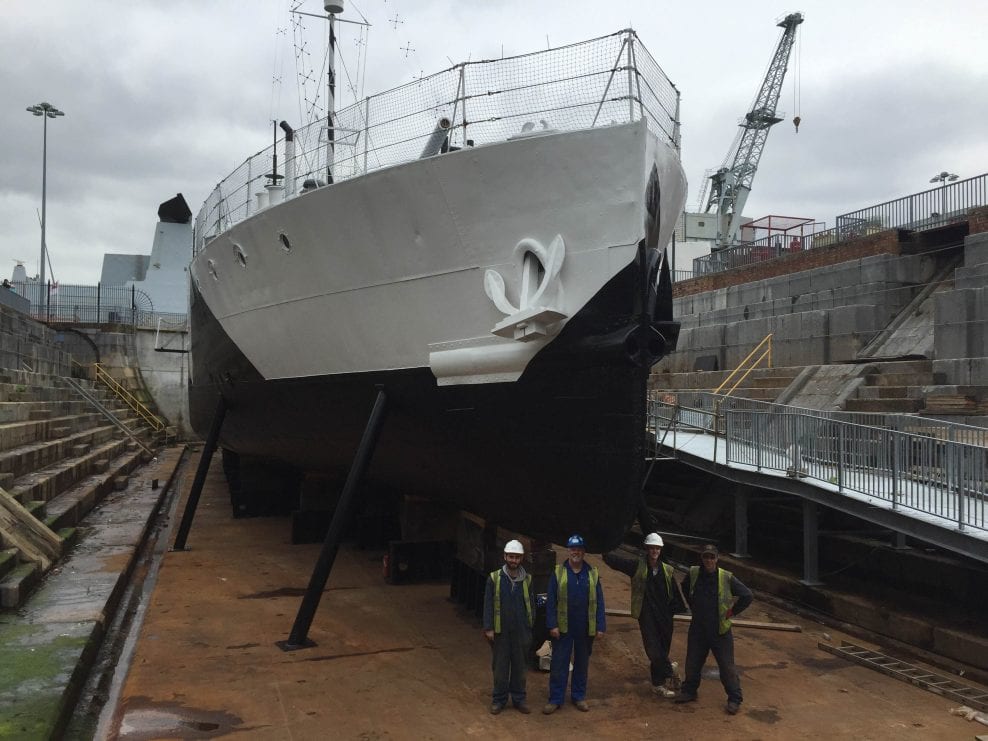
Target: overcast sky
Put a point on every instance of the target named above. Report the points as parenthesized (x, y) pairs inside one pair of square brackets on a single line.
[(168, 97)]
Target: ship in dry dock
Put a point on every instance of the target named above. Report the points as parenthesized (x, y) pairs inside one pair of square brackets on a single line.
[(485, 244)]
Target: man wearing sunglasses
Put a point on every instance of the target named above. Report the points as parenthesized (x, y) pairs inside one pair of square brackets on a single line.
[(715, 595)]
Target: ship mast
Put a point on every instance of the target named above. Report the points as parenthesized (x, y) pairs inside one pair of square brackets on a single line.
[(333, 8)]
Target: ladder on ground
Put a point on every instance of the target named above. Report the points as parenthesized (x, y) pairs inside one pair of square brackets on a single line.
[(973, 697)]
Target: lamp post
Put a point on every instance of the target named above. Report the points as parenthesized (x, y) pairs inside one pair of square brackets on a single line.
[(45, 110), (943, 178)]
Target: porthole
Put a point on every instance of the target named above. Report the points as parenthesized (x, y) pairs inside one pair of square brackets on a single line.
[(285, 244), (238, 252), (211, 266)]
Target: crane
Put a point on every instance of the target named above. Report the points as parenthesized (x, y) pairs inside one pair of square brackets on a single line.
[(730, 185)]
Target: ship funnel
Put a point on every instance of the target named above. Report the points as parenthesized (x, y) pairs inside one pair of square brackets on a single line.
[(333, 6), (437, 138), (289, 159)]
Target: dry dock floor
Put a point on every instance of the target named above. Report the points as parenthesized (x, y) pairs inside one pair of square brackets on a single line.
[(403, 662)]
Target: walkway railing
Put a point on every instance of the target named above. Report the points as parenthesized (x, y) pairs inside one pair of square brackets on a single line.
[(945, 204), (58, 303), (927, 466), (128, 398)]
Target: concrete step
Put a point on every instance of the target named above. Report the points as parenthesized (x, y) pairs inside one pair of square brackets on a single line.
[(36, 508), (34, 456), (18, 583), (49, 482), (900, 379), (8, 561), (890, 392), (72, 505), (884, 406), (25, 411)]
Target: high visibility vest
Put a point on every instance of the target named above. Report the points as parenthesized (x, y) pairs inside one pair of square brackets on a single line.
[(496, 578), (638, 585), (562, 606), (724, 595)]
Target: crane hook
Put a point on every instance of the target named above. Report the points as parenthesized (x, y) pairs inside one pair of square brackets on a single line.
[(795, 122)]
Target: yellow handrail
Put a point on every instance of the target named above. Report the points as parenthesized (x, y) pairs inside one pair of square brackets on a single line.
[(765, 353), (129, 399)]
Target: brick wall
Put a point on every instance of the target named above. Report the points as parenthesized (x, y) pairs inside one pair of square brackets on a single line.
[(977, 219), (887, 242)]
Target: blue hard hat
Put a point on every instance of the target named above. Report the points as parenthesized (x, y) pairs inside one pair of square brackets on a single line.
[(575, 541)]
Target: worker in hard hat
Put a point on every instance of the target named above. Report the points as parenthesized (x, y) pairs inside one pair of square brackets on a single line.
[(574, 615), (508, 617), (715, 595), (655, 598)]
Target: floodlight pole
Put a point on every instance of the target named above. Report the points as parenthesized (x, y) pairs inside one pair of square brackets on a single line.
[(45, 110)]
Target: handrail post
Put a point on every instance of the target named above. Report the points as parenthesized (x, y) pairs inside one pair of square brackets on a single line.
[(756, 426), (840, 457), (895, 469)]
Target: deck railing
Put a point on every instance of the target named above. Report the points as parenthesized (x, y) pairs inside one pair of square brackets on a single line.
[(612, 79)]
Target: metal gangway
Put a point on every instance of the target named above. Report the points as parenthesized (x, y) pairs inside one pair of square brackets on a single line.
[(917, 476)]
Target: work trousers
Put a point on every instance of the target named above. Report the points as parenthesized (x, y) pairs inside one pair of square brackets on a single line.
[(579, 646), (698, 644), (657, 638), (509, 662)]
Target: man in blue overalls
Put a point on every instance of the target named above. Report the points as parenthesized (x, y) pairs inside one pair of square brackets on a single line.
[(574, 616), (508, 612)]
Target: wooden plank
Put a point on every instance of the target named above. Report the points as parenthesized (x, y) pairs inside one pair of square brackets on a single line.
[(737, 622), (23, 531)]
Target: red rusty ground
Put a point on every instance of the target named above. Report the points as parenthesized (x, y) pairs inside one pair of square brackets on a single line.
[(403, 662)]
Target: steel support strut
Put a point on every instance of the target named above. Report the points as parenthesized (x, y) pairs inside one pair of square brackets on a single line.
[(204, 460), (299, 637), (741, 498), (811, 543)]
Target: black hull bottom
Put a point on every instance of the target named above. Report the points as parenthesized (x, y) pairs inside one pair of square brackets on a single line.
[(561, 450)]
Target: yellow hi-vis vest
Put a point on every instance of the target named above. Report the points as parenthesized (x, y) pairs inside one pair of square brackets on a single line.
[(496, 578), (724, 595), (638, 585), (562, 606)]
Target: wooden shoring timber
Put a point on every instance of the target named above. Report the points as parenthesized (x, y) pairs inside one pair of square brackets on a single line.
[(23, 531), (974, 697), (736, 622)]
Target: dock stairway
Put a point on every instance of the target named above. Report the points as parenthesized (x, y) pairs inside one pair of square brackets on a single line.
[(64, 444)]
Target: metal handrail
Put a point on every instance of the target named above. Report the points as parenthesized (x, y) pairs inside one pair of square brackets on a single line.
[(767, 352), (942, 475), (129, 399), (928, 209)]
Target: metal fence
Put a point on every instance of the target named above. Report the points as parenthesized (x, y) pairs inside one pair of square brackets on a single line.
[(57, 303), (945, 204), (612, 79), (923, 465)]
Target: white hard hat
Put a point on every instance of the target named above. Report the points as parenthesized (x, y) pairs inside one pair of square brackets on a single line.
[(513, 546), (654, 539)]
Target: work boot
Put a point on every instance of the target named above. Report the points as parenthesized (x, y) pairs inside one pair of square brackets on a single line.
[(663, 691), (732, 708), (549, 709), (522, 707), (496, 708), (582, 705), (683, 697)]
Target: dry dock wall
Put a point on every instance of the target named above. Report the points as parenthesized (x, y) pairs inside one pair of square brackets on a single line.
[(817, 316), (829, 306)]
